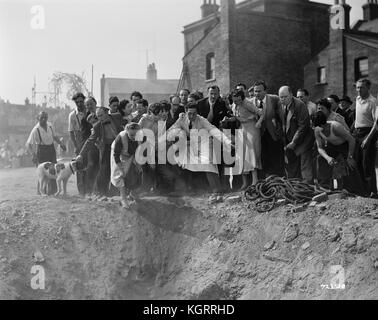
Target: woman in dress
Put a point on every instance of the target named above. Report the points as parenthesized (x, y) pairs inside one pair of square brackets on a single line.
[(247, 139)]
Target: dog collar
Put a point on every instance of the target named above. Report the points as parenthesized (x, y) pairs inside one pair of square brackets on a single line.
[(71, 169)]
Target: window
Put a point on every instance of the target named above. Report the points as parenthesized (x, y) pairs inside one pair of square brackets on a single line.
[(322, 76), (210, 66), (361, 66)]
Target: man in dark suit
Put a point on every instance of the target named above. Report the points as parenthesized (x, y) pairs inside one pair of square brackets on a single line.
[(213, 108), (103, 134), (175, 109), (272, 148), (298, 136)]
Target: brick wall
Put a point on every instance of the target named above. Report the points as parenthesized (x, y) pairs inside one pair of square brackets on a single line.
[(249, 45), (354, 51), (316, 90), (271, 48), (196, 61), (331, 57)]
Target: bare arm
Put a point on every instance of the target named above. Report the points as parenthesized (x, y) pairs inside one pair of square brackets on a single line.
[(319, 143), (341, 132)]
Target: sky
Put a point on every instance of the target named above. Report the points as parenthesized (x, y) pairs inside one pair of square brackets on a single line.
[(117, 37)]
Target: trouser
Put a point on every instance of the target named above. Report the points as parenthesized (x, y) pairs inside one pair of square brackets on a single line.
[(169, 178), (47, 153), (214, 182), (92, 169), (352, 182), (197, 181), (272, 156), (80, 175), (133, 179), (299, 167), (366, 158), (103, 176), (149, 177)]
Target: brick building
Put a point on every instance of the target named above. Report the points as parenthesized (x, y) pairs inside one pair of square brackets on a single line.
[(352, 53), (267, 39), (152, 88)]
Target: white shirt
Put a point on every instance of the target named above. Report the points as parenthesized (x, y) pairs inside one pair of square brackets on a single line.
[(366, 112), (311, 108), (263, 101), (46, 136), (73, 120)]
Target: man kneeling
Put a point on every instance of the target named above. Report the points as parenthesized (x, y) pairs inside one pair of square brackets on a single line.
[(126, 173), (336, 161)]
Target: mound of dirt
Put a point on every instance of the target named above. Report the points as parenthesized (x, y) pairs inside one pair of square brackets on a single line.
[(188, 248)]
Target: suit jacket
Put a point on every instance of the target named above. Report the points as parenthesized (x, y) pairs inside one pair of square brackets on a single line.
[(272, 120), (296, 126), (171, 120), (97, 136), (220, 110)]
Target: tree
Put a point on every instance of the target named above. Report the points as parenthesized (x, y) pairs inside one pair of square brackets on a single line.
[(68, 83)]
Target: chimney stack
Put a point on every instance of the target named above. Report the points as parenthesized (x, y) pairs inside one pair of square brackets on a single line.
[(209, 7), (370, 10), (347, 8), (151, 72)]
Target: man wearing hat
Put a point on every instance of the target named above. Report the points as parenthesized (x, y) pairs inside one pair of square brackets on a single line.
[(346, 104)]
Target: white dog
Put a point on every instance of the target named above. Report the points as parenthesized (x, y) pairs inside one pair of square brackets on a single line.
[(46, 171), (61, 172), (64, 171)]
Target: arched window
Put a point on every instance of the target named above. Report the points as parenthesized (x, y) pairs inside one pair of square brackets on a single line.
[(210, 66)]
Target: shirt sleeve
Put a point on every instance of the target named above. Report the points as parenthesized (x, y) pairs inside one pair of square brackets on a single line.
[(375, 111), (33, 137), (71, 122)]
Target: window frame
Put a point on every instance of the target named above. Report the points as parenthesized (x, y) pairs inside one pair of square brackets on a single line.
[(318, 75), (357, 68), (210, 73)]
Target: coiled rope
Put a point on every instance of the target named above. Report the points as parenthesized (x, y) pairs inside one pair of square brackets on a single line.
[(273, 188)]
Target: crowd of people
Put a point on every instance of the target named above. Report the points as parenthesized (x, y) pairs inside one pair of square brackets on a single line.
[(331, 142)]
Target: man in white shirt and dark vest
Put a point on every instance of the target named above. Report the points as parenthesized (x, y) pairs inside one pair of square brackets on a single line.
[(41, 144)]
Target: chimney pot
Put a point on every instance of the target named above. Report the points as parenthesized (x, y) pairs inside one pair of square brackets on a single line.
[(370, 10)]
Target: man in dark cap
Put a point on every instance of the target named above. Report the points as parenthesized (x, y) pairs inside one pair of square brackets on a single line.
[(113, 104), (346, 104)]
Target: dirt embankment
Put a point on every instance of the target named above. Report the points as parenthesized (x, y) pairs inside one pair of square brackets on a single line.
[(187, 249)]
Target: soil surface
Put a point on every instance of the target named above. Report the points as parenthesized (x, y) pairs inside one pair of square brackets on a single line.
[(183, 248)]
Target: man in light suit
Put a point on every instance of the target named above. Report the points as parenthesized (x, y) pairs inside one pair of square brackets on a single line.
[(298, 136), (272, 149)]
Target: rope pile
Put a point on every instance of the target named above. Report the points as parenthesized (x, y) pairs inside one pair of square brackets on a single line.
[(270, 190)]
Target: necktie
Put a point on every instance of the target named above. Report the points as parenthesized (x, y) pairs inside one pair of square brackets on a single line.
[(190, 128), (211, 113)]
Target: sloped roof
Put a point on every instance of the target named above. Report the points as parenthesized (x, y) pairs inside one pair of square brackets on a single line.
[(368, 41), (117, 85), (371, 26)]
